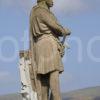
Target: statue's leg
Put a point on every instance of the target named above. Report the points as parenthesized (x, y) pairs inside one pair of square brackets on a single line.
[(45, 87), (39, 87), (54, 85)]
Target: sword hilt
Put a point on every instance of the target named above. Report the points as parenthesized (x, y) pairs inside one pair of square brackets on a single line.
[(63, 41)]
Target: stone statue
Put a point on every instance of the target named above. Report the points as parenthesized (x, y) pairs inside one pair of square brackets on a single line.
[(25, 67), (46, 50)]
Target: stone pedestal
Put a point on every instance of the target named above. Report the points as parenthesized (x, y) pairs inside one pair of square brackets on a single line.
[(27, 91)]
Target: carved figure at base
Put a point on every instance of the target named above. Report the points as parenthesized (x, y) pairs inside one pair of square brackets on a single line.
[(27, 91), (47, 50)]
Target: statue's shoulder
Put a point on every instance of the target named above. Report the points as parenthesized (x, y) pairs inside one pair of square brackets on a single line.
[(34, 11), (39, 9), (34, 8)]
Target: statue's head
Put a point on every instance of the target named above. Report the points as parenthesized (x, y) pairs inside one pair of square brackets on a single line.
[(48, 2)]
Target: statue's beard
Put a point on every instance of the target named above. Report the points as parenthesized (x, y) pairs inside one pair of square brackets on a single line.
[(49, 4)]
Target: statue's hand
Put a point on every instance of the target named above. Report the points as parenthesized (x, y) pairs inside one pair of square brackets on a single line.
[(67, 31), (63, 50)]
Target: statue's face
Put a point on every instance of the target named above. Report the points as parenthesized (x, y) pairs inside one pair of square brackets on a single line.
[(49, 3)]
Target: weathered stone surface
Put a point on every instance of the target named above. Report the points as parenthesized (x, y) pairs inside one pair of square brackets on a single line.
[(11, 97), (47, 49), (92, 93)]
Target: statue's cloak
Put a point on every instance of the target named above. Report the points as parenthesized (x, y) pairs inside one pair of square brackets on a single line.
[(44, 45)]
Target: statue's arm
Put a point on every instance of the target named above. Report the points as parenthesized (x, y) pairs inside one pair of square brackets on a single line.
[(30, 32), (52, 23)]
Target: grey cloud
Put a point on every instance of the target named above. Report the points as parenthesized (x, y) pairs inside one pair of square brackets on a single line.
[(7, 3), (4, 75), (76, 6), (65, 6), (71, 6), (6, 79), (26, 5)]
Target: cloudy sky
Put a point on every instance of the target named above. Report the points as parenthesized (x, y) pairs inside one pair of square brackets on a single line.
[(81, 61)]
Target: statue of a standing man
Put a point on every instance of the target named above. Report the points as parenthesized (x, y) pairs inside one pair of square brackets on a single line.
[(47, 49)]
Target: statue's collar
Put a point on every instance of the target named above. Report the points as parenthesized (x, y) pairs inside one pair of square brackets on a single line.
[(43, 6)]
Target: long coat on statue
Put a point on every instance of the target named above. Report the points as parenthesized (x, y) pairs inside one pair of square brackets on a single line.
[(45, 43)]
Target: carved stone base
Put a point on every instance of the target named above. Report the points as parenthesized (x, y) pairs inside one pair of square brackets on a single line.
[(26, 84)]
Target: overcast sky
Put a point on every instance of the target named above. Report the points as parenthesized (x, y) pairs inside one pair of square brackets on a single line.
[(81, 61)]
